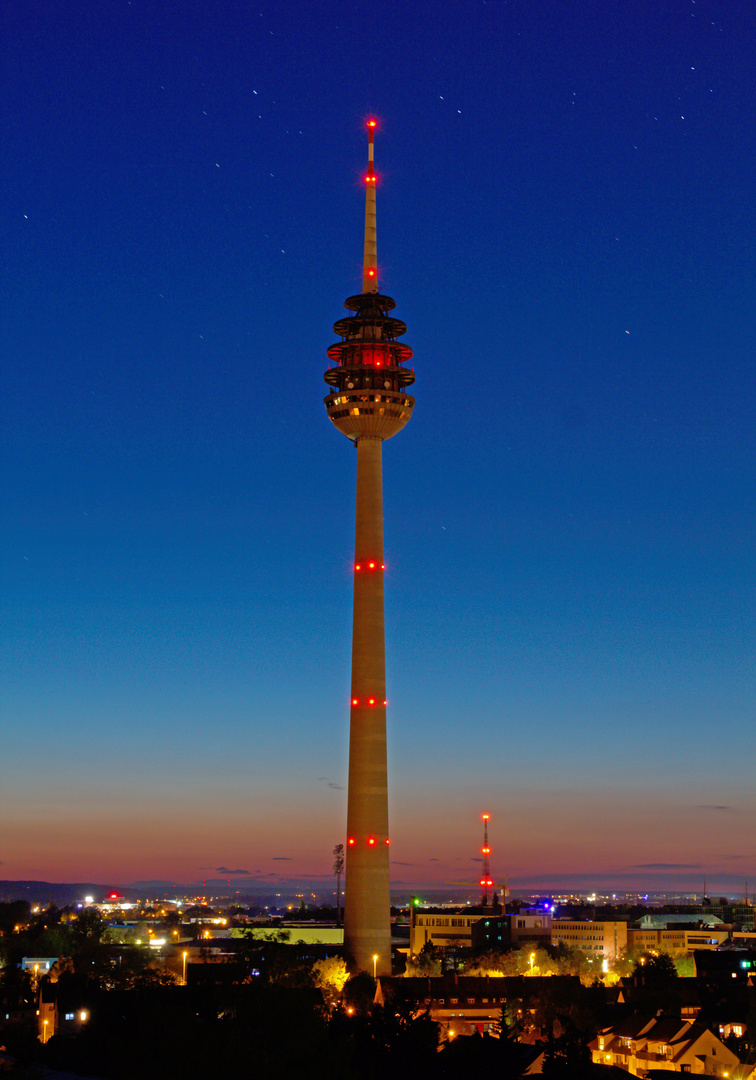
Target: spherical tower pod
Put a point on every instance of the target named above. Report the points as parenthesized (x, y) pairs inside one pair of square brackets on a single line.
[(368, 373)]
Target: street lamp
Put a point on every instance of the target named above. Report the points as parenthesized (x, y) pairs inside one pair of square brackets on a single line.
[(184, 956), (375, 961)]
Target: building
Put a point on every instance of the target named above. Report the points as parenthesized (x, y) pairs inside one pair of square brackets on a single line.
[(469, 1004), (368, 404), (38, 965), (505, 931), (441, 929), (640, 1044), (680, 939), (607, 939)]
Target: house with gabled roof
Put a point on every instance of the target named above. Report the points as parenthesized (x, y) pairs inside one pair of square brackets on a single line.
[(642, 1044)]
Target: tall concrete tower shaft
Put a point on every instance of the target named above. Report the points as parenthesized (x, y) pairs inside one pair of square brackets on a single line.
[(368, 404)]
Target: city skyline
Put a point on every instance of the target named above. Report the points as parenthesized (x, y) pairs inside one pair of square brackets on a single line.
[(565, 218)]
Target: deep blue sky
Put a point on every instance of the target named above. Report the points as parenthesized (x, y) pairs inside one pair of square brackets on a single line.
[(565, 220)]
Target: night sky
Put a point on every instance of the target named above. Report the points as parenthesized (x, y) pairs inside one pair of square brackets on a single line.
[(565, 220)]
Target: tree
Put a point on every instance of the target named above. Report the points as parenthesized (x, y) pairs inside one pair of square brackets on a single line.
[(393, 1041), (17, 990), (330, 977), (13, 914), (655, 984), (567, 1055), (657, 967), (426, 962), (338, 869), (271, 960)]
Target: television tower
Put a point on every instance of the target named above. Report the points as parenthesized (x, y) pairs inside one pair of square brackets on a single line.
[(368, 404)]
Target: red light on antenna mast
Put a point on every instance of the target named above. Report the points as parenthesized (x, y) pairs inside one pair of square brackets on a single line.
[(486, 817), (371, 123)]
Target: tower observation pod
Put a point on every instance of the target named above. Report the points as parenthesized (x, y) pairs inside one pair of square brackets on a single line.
[(368, 404)]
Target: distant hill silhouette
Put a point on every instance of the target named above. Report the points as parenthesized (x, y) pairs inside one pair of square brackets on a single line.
[(59, 893)]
